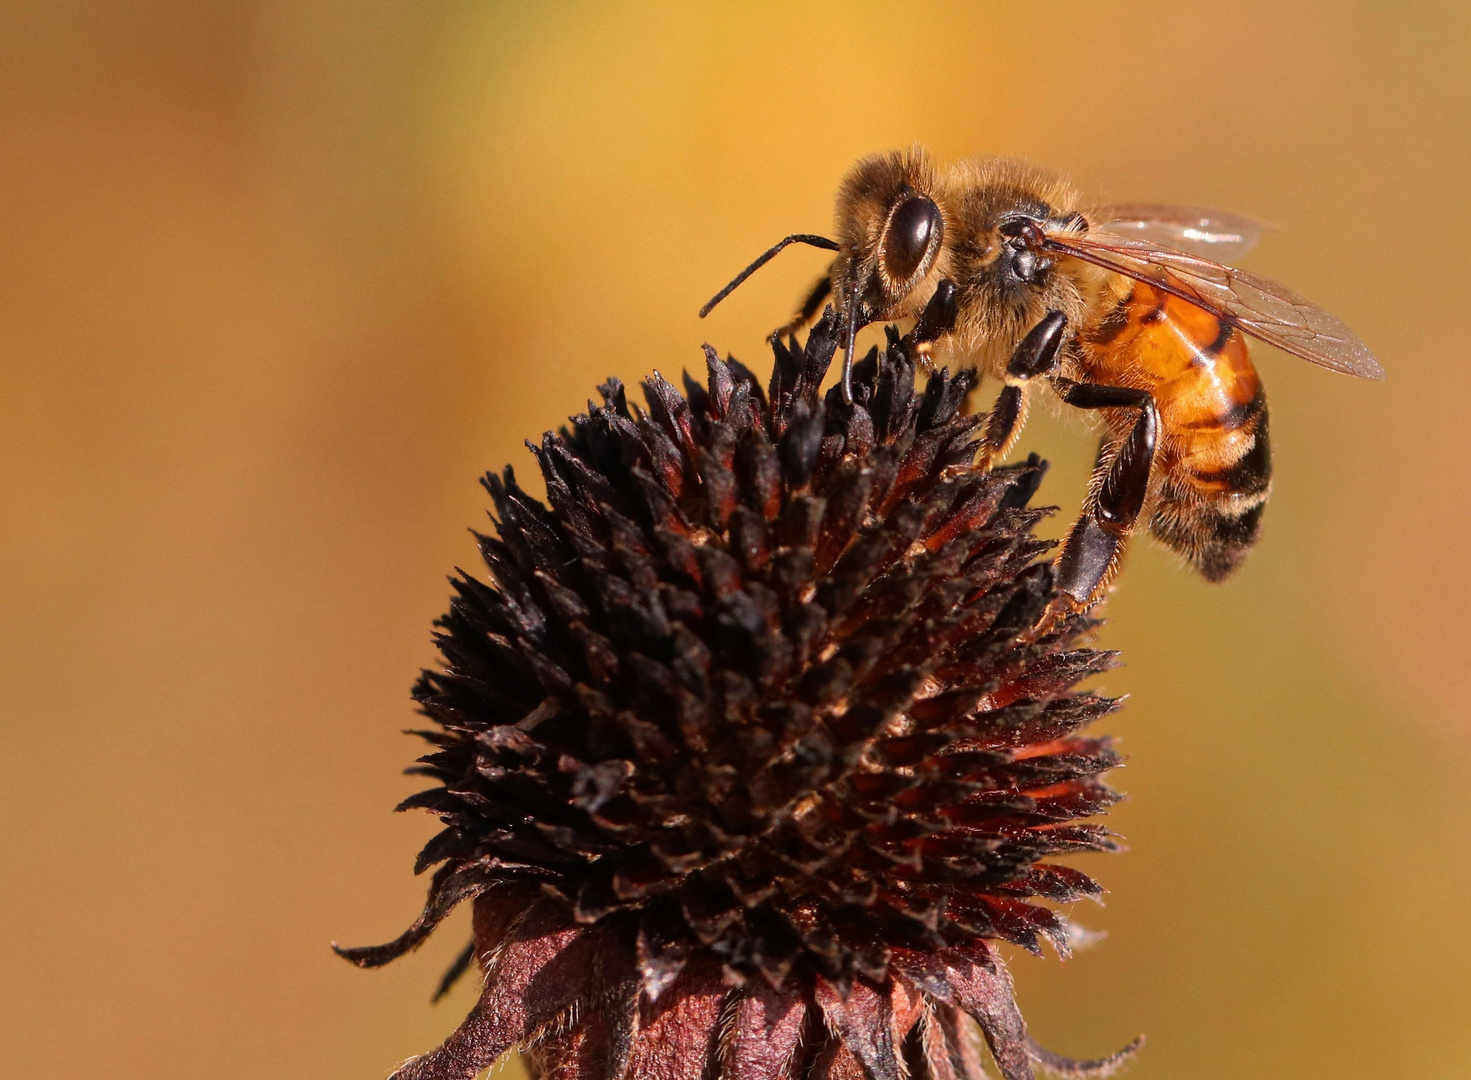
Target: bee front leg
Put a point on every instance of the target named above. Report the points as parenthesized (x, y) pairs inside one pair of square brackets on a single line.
[(937, 320), (938, 317), (821, 289), (1036, 355), (1091, 552)]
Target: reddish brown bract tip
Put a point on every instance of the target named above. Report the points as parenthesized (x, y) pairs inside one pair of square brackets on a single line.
[(748, 755)]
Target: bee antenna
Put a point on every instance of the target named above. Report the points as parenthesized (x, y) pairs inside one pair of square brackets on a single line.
[(770, 253)]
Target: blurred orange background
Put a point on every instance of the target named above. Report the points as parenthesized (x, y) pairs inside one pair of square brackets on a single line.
[(278, 280)]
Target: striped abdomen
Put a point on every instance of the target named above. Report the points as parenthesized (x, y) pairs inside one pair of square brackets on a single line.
[(1213, 466)]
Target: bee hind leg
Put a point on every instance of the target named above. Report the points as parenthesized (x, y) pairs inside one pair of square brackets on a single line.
[(1093, 546)]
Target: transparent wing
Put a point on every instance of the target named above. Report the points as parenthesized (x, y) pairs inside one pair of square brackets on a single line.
[(1195, 230), (1263, 308)]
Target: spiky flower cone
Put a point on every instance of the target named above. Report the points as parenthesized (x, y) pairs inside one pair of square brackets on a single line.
[(749, 756)]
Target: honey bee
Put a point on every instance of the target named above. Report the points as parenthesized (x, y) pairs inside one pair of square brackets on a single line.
[(1126, 310)]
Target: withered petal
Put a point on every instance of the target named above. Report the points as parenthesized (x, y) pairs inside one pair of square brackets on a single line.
[(983, 989), (456, 971), (766, 1027), (962, 1036), (837, 1061), (451, 885), (541, 970), (621, 1016), (1093, 1067), (864, 1021), (680, 1033)]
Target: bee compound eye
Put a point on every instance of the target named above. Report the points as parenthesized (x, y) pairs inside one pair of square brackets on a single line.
[(914, 229)]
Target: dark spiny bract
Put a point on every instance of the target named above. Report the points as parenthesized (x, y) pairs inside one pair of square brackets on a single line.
[(749, 755)]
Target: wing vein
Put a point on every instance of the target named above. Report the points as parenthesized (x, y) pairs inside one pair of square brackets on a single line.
[(1263, 308)]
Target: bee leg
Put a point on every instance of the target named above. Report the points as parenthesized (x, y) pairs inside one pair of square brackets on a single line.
[(821, 290), (1036, 355), (1091, 552), (937, 319)]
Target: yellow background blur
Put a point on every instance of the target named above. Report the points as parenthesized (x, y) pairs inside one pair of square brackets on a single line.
[(278, 280)]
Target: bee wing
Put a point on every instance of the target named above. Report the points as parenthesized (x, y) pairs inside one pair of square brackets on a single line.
[(1263, 308), (1195, 230)]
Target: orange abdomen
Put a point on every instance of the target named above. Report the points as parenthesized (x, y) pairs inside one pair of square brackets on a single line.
[(1197, 367), (1213, 465)]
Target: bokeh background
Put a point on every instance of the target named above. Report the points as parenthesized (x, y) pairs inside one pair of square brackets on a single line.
[(280, 278)]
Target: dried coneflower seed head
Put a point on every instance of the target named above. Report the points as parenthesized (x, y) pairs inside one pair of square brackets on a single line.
[(750, 754)]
